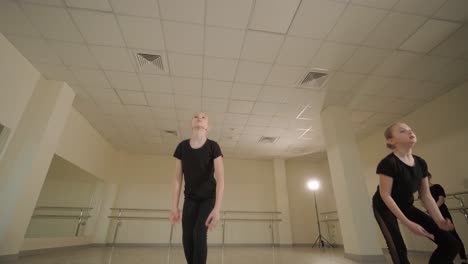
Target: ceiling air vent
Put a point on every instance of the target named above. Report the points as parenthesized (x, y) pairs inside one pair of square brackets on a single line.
[(314, 79), (171, 133), (268, 140), (144, 60)]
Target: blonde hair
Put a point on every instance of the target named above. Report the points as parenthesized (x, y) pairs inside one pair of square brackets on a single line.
[(388, 134)]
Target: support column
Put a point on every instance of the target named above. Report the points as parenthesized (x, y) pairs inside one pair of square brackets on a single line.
[(27, 158), (109, 192), (282, 203), (357, 222)]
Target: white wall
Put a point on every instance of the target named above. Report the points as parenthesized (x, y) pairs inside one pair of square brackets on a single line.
[(303, 216), (18, 79), (146, 182), (441, 127)]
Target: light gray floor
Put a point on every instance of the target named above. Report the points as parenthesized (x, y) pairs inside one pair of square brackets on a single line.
[(158, 255)]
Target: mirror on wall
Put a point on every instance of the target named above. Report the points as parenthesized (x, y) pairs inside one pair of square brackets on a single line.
[(68, 202)]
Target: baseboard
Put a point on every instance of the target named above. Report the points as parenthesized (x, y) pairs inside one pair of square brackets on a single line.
[(311, 244), (365, 258), (180, 245), (49, 250)]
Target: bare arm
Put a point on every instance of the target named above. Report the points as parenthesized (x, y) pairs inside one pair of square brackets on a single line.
[(175, 214), (214, 216), (219, 174), (440, 201)]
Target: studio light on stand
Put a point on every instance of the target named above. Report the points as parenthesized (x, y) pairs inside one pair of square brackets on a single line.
[(314, 185)]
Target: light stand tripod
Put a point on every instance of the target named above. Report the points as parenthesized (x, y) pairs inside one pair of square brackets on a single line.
[(320, 241)]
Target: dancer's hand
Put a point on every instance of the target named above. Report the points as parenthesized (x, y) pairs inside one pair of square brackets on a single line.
[(175, 216), (212, 219), (446, 224), (419, 230)]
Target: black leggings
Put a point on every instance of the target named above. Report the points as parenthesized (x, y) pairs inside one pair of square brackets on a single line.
[(194, 230), (447, 245), (454, 233)]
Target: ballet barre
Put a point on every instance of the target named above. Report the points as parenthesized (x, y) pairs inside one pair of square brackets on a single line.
[(82, 217)]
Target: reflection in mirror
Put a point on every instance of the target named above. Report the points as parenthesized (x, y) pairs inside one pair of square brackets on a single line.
[(67, 203)]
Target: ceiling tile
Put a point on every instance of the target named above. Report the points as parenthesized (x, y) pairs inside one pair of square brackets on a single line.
[(46, 2), (101, 5), (454, 10), (156, 83), (98, 28), (420, 7), (235, 121), (455, 46), (396, 63), (365, 60), (183, 10), (183, 37), (260, 46), (429, 35), (344, 82), (243, 91), (187, 86), (142, 8), (57, 72), (274, 94), (372, 85), (332, 56), (216, 89), (360, 116), (394, 30), (124, 80), (160, 100), (273, 15), (186, 65), (387, 4), (74, 54), (220, 69), (315, 18), (142, 33), (254, 130), (35, 50), (285, 75), (53, 22), (14, 21), (163, 113), (255, 120), (132, 97), (111, 58), (188, 102), (100, 95), (224, 43), (214, 105), (426, 67), (228, 13), (252, 72), (91, 78), (297, 51), (261, 108), (240, 107), (355, 24)]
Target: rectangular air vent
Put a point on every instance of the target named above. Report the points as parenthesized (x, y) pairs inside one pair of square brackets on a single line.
[(314, 79), (268, 140), (153, 61)]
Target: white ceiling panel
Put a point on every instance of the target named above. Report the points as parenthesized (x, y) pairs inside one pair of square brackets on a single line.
[(316, 18), (14, 21), (429, 35), (273, 15), (228, 13), (183, 37), (355, 24), (223, 42), (244, 91), (98, 28), (142, 33), (261, 46), (216, 89), (142, 8)]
